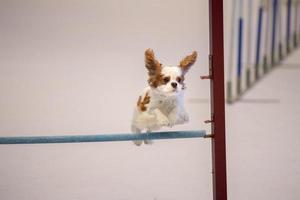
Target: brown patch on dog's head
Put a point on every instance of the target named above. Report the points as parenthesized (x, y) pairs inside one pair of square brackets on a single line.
[(187, 62), (154, 68), (142, 102)]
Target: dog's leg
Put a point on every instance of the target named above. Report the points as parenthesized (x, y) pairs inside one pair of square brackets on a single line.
[(162, 120), (183, 117), (137, 131), (148, 141), (173, 116), (178, 116)]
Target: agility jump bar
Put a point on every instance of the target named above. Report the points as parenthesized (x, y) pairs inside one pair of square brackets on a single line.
[(102, 138)]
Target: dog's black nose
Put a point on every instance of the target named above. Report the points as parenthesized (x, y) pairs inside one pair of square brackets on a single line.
[(174, 85)]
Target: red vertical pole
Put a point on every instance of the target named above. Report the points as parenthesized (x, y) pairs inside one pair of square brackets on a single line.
[(217, 99)]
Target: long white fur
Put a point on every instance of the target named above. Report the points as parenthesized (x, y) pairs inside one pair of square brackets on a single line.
[(166, 107)]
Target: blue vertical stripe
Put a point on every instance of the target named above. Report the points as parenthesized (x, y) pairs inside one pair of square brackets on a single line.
[(274, 27), (258, 40), (288, 28), (240, 47)]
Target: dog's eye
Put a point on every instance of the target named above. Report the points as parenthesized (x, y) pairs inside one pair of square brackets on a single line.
[(166, 79), (179, 79)]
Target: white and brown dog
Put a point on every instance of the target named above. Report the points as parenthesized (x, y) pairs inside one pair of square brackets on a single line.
[(161, 103)]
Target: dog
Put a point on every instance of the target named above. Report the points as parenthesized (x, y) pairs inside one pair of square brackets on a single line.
[(161, 103)]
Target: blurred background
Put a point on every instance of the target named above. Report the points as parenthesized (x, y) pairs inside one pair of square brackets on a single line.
[(77, 67)]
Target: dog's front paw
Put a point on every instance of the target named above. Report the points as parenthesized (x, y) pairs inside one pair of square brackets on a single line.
[(138, 142), (163, 121), (183, 118), (172, 120)]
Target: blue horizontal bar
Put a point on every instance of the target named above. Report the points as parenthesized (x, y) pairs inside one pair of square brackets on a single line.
[(101, 138)]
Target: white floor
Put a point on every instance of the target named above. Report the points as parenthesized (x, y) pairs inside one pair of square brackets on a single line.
[(263, 137)]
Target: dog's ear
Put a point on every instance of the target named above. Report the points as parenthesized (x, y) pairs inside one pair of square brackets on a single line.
[(153, 66), (187, 62)]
